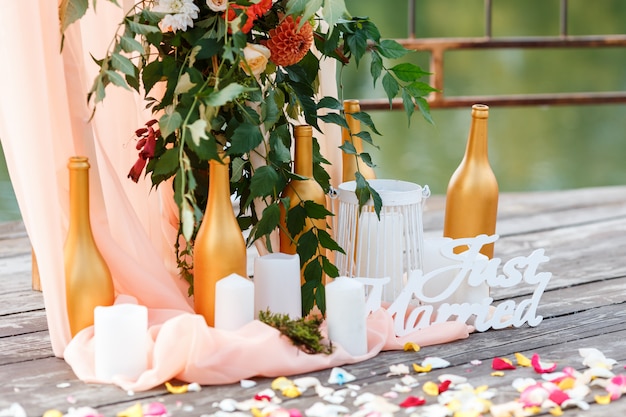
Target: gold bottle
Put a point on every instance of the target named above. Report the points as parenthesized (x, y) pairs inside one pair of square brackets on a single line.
[(472, 196), (88, 281), (219, 249), (301, 190), (353, 163)]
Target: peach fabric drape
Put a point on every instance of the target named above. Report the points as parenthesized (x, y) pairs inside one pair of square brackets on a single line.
[(44, 119)]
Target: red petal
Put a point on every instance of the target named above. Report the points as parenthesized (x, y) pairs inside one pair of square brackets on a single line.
[(141, 131), (538, 366), (151, 122), (135, 171), (500, 364), (148, 150), (412, 402), (558, 396), (141, 143), (443, 387)]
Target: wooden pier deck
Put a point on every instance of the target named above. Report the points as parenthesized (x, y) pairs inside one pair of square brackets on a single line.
[(583, 232)]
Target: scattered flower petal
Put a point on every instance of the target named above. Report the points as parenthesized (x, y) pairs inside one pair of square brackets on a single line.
[(502, 364), (400, 369), (281, 383), (154, 409), (422, 369), (410, 381), (320, 409), (15, 410), (436, 363), (431, 388), (306, 382), (340, 376), (522, 360), (247, 383), (180, 389), (194, 387), (497, 373), (603, 399), (411, 346), (133, 411), (476, 362), (291, 392), (48, 413), (453, 379), (412, 402), (592, 358), (520, 384), (542, 367), (63, 385)]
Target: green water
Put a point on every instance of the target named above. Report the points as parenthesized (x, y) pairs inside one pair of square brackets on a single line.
[(530, 148)]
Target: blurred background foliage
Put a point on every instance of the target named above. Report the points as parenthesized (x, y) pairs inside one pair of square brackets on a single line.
[(530, 148)]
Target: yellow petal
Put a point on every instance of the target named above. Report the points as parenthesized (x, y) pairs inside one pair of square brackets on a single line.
[(522, 360), (181, 389), (281, 383), (469, 413), (431, 388), (497, 373), (603, 399), (533, 410), (53, 413), (134, 411), (556, 411), (566, 383), (291, 392), (411, 346), (481, 388), (419, 369)]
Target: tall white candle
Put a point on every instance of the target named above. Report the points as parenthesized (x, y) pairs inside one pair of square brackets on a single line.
[(120, 341), (346, 315), (234, 302), (380, 250), (277, 284)]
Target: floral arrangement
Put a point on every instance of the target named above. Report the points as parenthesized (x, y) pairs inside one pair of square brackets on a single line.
[(235, 76)]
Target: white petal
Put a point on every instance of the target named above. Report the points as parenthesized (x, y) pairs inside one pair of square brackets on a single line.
[(435, 362)]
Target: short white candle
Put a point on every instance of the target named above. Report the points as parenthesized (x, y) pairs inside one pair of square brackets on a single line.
[(346, 315), (234, 302), (380, 250), (277, 284), (120, 341)]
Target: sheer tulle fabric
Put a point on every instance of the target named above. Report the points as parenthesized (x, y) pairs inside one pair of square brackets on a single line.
[(44, 119)]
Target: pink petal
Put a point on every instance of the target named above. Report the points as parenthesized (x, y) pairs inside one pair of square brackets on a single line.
[(541, 368), (412, 402), (558, 396)]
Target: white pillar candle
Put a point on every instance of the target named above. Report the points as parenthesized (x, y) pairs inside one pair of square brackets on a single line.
[(234, 302), (277, 284), (380, 250), (346, 315), (120, 341)]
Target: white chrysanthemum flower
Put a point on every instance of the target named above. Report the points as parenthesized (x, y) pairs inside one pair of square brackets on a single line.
[(180, 13)]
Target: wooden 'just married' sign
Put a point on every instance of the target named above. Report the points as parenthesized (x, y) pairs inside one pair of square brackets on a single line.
[(459, 289)]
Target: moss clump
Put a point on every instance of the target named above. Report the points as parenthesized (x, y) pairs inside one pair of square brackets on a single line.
[(303, 333)]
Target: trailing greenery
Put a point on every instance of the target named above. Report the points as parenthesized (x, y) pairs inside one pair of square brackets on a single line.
[(303, 332), (197, 81)]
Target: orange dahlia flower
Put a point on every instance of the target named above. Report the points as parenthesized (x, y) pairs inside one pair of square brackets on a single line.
[(288, 44)]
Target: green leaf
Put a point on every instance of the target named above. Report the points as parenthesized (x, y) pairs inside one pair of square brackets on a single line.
[(228, 93), (307, 246), (315, 211), (296, 219), (329, 268), (130, 44), (326, 241), (167, 164), (329, 103), (333, 11), (391, 87), (116, 79), (123, 64), (366, 119), (237, 166), (151, 74), (320, 297), (184, 84), (376, 67), (358, 45), (408, 72), (391, 49), (142, 29), (70, 11), (198, 131), (348, 148), (187, 220), (335, 118), (419, 89), (245, 138), (270, 112), (308, 296), (263, 182), (281, 152), (365, 135), (268, 222), (409, 106), (168, 123), (422, 104)]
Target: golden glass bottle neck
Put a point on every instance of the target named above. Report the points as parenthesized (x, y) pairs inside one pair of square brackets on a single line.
[(477, 148), (219, 186), (79, 193), (303, 163)]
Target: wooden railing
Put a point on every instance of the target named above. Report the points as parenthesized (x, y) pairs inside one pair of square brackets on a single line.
[(438, 46)]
